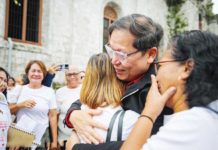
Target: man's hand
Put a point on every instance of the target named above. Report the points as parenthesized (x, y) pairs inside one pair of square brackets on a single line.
[(156, 101), (74, 139), (84, 124)]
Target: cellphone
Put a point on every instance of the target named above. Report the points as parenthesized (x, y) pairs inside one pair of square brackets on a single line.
[(63, 67)]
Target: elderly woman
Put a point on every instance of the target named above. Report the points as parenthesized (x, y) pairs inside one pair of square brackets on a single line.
[(187, 82), (37, 102)]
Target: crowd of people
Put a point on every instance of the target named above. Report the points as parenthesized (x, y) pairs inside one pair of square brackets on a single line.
[(32, 101), (129, 97)]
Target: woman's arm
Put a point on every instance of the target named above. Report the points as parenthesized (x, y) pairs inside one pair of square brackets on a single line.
[(14, 107), (139, 135), (53, 125), (155, 103)]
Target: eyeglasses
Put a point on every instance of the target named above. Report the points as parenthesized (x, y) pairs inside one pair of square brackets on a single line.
[(157, 63), (122, 57), (72, 74)]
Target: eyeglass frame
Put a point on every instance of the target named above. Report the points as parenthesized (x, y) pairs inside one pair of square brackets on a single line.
[(120, 53), (72, 74), (164, 61)]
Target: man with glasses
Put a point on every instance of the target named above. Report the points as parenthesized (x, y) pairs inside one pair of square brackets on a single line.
[(65, 97), (132, 47)]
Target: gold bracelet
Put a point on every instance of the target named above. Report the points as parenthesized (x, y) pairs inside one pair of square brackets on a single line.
[(147, 117)]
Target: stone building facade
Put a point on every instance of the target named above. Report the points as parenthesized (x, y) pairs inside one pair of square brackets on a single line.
[(72, 30)]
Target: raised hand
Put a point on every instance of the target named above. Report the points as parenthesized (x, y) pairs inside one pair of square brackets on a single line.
[(53, 69), (156, 101)]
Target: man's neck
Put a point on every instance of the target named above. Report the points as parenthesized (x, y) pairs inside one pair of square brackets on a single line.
[(135, 80)]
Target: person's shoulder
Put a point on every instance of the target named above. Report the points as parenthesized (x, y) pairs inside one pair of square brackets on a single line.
[(61, 89), (17, 88), (195, 118), (47, 89), (79, 87)]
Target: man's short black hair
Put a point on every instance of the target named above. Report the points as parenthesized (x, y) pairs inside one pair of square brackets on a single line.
[(147, 33)]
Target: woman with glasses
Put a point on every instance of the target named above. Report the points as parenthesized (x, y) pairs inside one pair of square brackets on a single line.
[(187, 82)]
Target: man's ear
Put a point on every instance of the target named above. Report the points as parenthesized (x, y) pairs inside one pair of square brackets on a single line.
[(152, 53), (188, 67)]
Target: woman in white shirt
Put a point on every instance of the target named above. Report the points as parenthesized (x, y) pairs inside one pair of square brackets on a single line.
[(187, 82), (37, 102)]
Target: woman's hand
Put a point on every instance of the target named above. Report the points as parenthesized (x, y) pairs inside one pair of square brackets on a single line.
[(27, 104), (156, 101), (84, 124), (54, 146)]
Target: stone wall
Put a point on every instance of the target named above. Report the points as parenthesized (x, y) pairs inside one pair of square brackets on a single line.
[(73, 30)]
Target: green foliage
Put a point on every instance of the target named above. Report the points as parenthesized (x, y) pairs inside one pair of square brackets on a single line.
[(208, 10), (57, 85), (174, 2), (175, 19)]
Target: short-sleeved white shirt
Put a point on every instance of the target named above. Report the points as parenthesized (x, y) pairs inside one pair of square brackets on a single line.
[(13, 94), (5, 120), (65, 97), (194, 129), (45, 100), (129, 120)]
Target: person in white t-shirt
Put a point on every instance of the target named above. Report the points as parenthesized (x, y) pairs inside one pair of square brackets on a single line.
[(37, 102), (65, 97), (187, 82), (102, 90), (5, 115)]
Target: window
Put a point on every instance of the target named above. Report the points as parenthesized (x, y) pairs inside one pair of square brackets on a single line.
[(23, 20), (109, 16)]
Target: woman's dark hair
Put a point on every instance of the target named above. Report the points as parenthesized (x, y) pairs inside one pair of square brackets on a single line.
[(7, 76), (11, 78), (148, 33), (202, 48)]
